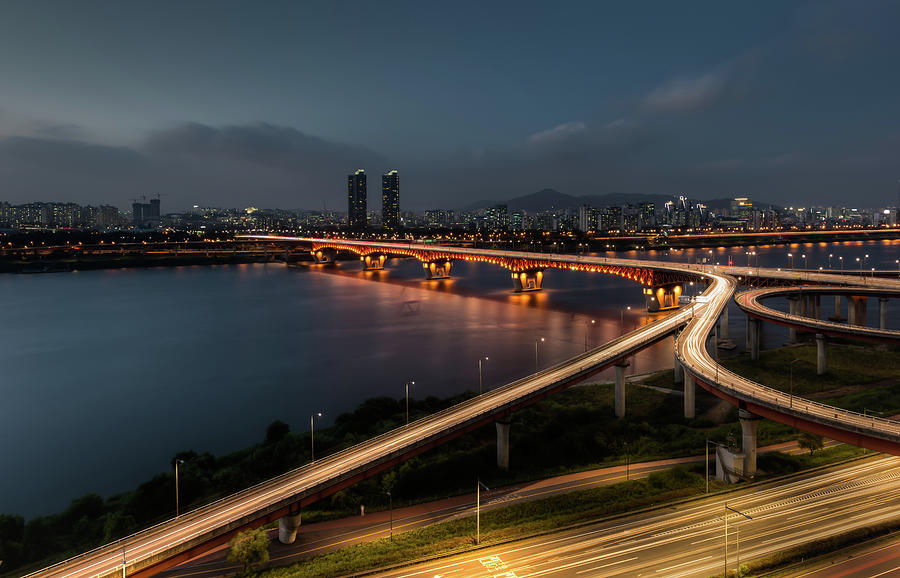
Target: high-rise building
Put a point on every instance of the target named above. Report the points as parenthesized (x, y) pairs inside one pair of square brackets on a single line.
[(356, 200), (390, 200)]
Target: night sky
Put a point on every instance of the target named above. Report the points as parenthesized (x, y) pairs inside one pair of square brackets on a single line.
[(271, 104)]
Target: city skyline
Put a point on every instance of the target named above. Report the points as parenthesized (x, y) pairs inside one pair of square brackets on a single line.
[(711, 101)]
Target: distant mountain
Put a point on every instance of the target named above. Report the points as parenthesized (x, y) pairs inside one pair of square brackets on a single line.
[(552, 199)]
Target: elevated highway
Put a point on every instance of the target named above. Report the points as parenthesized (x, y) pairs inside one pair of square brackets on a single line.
[(282, 497), (750, 303)]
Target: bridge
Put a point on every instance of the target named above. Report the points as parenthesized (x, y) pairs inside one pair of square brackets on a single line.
[(283, 497)]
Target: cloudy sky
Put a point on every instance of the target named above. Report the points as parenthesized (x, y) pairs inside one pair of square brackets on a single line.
[(272, 103)]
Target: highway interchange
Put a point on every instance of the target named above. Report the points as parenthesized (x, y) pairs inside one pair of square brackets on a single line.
[(147, 552)]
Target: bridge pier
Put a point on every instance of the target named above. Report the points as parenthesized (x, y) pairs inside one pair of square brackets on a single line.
[(662, 297), (837, 309), (528, 280), (817, 309), (754, 326), (620, 388), (690, 396), (856, 310), (793, 309), (324, 256), (882, 312), (288, 526), (679, 372), (821, 354), (749, 425), (439, 269), (503, 442), (373, 261), (803, 300), (723, 322)]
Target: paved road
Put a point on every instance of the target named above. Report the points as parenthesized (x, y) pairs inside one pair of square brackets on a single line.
[(689, 540), (881, 560), (322, 537)]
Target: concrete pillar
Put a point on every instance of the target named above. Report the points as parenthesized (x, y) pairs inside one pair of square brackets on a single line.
[(822, 357), (323, 256), (503, 443), (690, 396), (857, 310), (679, 372), (882, 312), (803, 309), (851, 311), (837, 306), (288, 526), (373, 261), (793, 309), (749, 425), (620, 388), (817, 310), (754, 325), (723, 322), (662, 297), (439, 269), (528, 280)]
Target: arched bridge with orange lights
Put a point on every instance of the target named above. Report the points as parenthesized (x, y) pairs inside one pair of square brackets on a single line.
[(662, 286)]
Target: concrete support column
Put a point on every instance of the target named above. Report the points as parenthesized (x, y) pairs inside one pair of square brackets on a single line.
[(837, 306), (288, 526), (503, 443), (817, 309), (882, 312), (690, 396), (857, 310), (723, 322), (803, 308), (373, 261), (527, 280), (437, 269), (620, 388), (679, 372), (793, 309), (851, 311), (749, 425), (754, 326), (822, 357)]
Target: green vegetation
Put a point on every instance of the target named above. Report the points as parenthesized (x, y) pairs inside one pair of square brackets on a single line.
[(250, 549), (511, 522)]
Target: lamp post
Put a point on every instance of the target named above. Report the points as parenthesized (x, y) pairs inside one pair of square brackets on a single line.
[(391, 509), (841, 259), (626, 460), (830, 255), (792, 380), (587, 326), (176, 486), (860, 265), (478, 487), (725, 519), (791, 260), (536, 343), (312, 436), (622, 317), (804, 261), (480, 361), (408, 383), (706, 447)]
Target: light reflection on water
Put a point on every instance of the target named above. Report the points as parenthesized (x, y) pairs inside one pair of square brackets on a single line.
[(108, 373)]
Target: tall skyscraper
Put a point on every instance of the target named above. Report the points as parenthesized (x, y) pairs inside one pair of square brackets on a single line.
[(356, 200), (390, 200)]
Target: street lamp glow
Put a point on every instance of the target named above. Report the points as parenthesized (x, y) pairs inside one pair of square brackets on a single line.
[(312, 436)]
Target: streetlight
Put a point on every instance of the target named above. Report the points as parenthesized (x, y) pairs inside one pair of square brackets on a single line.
[(391, 508), (478, 487), (408, 383), (587, 326), (830, 255), (176, 485), (725, 519), (804, 261), (536, 343), (791, 260), (622, 316), (480, 361), (792, 380), (841, 259), (706, 447), (860, 265), (312, 436), (626, 460)]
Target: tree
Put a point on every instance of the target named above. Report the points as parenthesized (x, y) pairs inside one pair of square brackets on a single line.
[(249, 549), (277, 431), (811, 442)]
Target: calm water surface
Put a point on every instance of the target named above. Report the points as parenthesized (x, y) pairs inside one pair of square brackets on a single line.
[(106, 374)]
